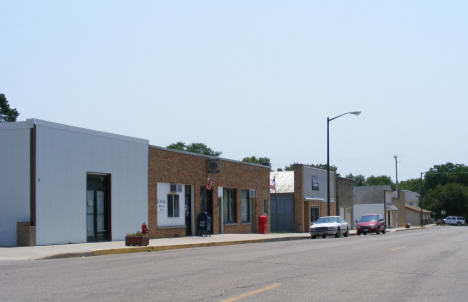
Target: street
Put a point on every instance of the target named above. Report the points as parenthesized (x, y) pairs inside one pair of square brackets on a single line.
[(419, 265)]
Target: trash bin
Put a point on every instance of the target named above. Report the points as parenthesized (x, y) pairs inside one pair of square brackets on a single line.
[(204, 224), (263, 222)]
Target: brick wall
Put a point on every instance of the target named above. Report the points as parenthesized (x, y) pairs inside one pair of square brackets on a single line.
[(190, 169)]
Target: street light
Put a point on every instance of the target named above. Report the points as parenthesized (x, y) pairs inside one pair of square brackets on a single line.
[(328, 153)]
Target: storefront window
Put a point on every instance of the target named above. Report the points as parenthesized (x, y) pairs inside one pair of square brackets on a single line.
[(229, 206)]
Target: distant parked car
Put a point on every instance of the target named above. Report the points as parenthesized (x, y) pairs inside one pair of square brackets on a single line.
[(329, 225), (370, 223), (454, 220)]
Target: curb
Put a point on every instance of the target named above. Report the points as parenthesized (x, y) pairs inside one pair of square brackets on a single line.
[(142, 249), (128, 250), (191, 245)]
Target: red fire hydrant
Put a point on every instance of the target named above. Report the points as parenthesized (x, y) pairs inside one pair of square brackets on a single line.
[(263, 222), (144, 228)]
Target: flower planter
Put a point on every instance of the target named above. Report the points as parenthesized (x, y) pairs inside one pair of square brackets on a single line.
[(137, 240)]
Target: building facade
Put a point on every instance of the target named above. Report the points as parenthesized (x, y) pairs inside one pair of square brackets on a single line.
[(303, 192), (344, 198), (62, 184), (181, 185), (376, 200)]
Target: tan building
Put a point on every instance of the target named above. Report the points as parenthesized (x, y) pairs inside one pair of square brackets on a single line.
[(179, 189), (300, 197)]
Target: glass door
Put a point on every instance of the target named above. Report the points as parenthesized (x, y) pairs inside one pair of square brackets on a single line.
[(97, 208)]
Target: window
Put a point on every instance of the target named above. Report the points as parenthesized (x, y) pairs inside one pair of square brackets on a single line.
[(315, 183), (172, 205), (245, 206), (265, 206), (229, 206)]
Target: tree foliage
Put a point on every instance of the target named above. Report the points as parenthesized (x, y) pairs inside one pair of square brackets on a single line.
[(320, 166), (359, 180), (199, 148), (379, 180), (444, 174), (7, 114), (412, 184), (451, 197), (255, 160)]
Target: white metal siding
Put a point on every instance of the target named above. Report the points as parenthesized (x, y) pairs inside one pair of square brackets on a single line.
[(322, 179), (14, 179), (64, 157)]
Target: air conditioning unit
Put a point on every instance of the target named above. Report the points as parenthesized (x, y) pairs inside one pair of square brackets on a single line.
[(176, 188), (213, 165)]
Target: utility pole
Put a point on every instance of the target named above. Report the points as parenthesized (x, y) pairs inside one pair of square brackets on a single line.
[(396, 175)]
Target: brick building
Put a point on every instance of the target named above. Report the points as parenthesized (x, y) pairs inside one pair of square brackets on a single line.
[(179, 189)]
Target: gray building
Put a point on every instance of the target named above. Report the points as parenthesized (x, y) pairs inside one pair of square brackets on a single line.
[(344, 198), (61, 184), (375, 200)]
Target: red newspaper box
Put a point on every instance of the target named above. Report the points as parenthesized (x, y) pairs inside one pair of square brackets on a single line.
[(262, 222)]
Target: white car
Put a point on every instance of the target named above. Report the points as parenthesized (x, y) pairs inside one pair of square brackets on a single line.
[(329, 225), (455, 220)]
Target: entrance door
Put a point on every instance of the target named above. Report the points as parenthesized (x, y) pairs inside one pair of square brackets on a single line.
[(314, 214), (98, 208), (206, 197), (188, 210)]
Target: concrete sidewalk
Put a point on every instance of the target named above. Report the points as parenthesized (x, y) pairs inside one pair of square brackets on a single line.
[(118, 247)]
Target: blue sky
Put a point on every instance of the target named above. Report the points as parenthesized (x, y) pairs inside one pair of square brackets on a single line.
[(251, 77)]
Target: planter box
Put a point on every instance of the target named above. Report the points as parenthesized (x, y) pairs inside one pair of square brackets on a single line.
[(137, 240)]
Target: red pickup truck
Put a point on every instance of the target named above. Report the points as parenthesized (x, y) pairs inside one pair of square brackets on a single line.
[(371, 223)]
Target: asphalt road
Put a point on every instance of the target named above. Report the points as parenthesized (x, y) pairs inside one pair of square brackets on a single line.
[(419, 265)]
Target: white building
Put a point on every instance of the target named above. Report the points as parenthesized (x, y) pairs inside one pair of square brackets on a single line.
[(62, 184)]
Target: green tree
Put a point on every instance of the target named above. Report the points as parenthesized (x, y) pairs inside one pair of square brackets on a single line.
[(199, 148), (379, 180), (444, 174), (413, 184), (359, 180), (451, 197), (255, 160), (320, 166), (7, 114)]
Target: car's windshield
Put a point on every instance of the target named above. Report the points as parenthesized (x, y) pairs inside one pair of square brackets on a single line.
[(368, 218), (327, 219)]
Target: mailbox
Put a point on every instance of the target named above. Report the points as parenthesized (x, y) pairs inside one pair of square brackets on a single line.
[(263, 222)]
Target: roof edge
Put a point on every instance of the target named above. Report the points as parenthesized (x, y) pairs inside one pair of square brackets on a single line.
[(208, 156)]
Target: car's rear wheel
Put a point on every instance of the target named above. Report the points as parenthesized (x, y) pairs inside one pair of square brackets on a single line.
[(459, 223), (358, 233), (338, 233), (313, 237), (324, 236), (347, 232)]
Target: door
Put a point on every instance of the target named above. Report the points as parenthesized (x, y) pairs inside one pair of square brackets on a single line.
[(282, 212), (206, 197), (188, 210), (98, 207), (314, 214)]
